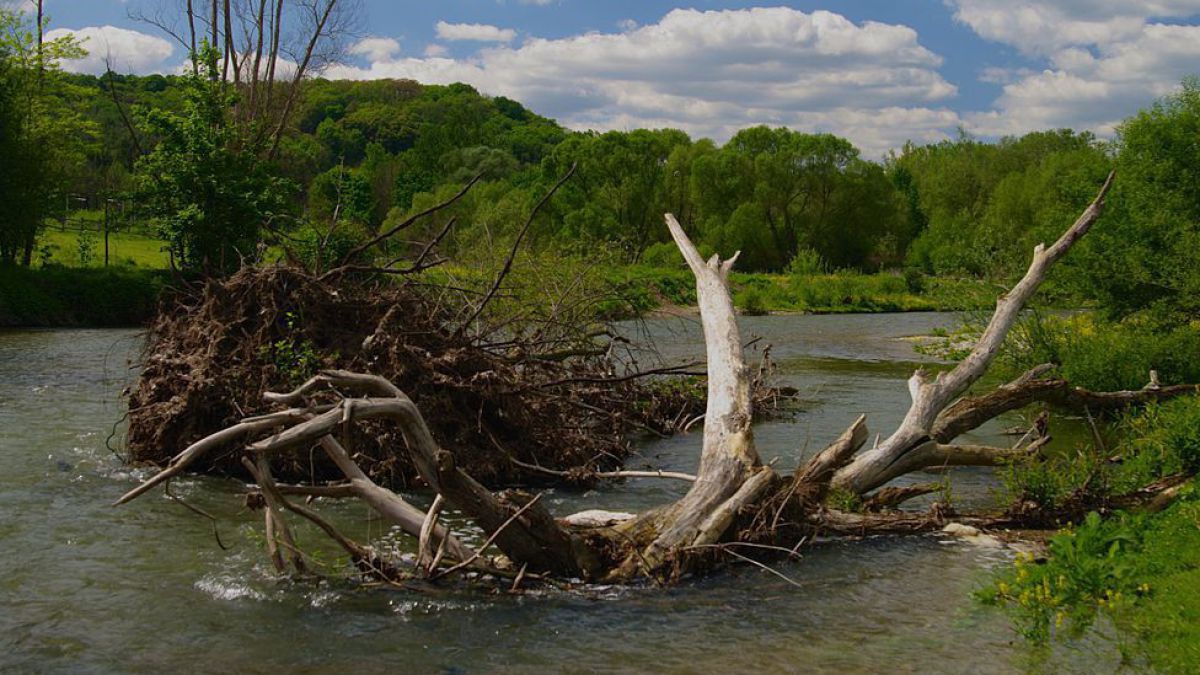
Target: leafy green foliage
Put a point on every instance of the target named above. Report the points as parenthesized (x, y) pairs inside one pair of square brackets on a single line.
[(1159, 441), (981, 207), (206, 184), (841, 499), (294, 355), (1104, 355), (1139, 571), (43, 136), (85, 244), (61, 296), (1091, 570), (1146, 257)]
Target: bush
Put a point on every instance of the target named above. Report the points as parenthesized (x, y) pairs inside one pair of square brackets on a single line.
[(1164, 440), (1105, 356), (1087, 572), (752, 301), (317, 252), (60, 296), (914, 280), (1158, 441), (1139, 571), (664, 255), (807, 262)]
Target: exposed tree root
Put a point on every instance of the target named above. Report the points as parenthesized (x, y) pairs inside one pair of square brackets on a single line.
[(518, 412)]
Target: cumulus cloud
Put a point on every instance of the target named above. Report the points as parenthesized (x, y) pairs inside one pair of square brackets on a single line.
[(474, 32), (1095, 91), (713, 72), (1105, 58), (376, 48), (1044, 26), (127, 50)]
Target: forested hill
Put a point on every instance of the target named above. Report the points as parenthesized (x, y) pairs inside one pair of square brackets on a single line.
[(367, 154), (373, 150)]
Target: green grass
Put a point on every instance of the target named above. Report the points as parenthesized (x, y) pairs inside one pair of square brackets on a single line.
[(842, 292), (62, 296), (125, 249)]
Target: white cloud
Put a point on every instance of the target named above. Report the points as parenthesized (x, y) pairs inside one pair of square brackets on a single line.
[(1096, 91), (1044, 26), (434, 49), (376, 48), (993, 75), (711, 73), (475, 32), (1105, 58), (128, 51)]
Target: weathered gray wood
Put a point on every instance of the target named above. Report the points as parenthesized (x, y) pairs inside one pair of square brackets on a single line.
[(931, 395), (728, 458)]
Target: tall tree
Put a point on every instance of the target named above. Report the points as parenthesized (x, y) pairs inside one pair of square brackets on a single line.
[(206, 184), (43, 136)]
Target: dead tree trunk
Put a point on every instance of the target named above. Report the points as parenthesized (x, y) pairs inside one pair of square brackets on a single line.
[(730, 474), (900, 452)]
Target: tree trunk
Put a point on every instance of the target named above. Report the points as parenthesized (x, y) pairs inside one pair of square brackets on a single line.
[(728, 459)]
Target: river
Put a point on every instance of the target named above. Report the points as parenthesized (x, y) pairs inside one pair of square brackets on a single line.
[(88, 588)]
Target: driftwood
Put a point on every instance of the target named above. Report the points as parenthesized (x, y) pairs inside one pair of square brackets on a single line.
[(932, 394), (733, 501)]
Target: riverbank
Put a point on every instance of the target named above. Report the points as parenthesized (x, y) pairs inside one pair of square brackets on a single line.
[(62, 297), (651, 289), (57, 296)]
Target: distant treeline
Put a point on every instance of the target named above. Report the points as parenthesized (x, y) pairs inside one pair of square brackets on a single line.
[(367, 154), (373, 150)]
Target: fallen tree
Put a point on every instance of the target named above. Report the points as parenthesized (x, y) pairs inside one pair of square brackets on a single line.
[(734, 502), (553, 394)]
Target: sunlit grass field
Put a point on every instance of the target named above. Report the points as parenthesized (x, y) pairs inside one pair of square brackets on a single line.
[(125, 249)]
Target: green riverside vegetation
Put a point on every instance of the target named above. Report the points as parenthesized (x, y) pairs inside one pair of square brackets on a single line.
[(1137, 570)]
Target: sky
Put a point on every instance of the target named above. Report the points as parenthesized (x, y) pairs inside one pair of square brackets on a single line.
[(878, 72)]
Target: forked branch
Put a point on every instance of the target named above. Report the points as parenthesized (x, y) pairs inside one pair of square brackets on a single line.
[(930, 396)]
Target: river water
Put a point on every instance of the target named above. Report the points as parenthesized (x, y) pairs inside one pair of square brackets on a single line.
[(88, 588)]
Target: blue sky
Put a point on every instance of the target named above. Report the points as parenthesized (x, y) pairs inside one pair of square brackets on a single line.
[(878, 72)]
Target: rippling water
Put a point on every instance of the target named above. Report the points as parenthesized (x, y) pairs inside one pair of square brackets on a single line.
[(85, 587)]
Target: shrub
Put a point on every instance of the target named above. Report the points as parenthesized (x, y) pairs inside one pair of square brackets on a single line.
[(665, 255), (61, 296), (1105, 356), (318, 247), (914, 280), (752, 301), (1087, 571), (807, 262)]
